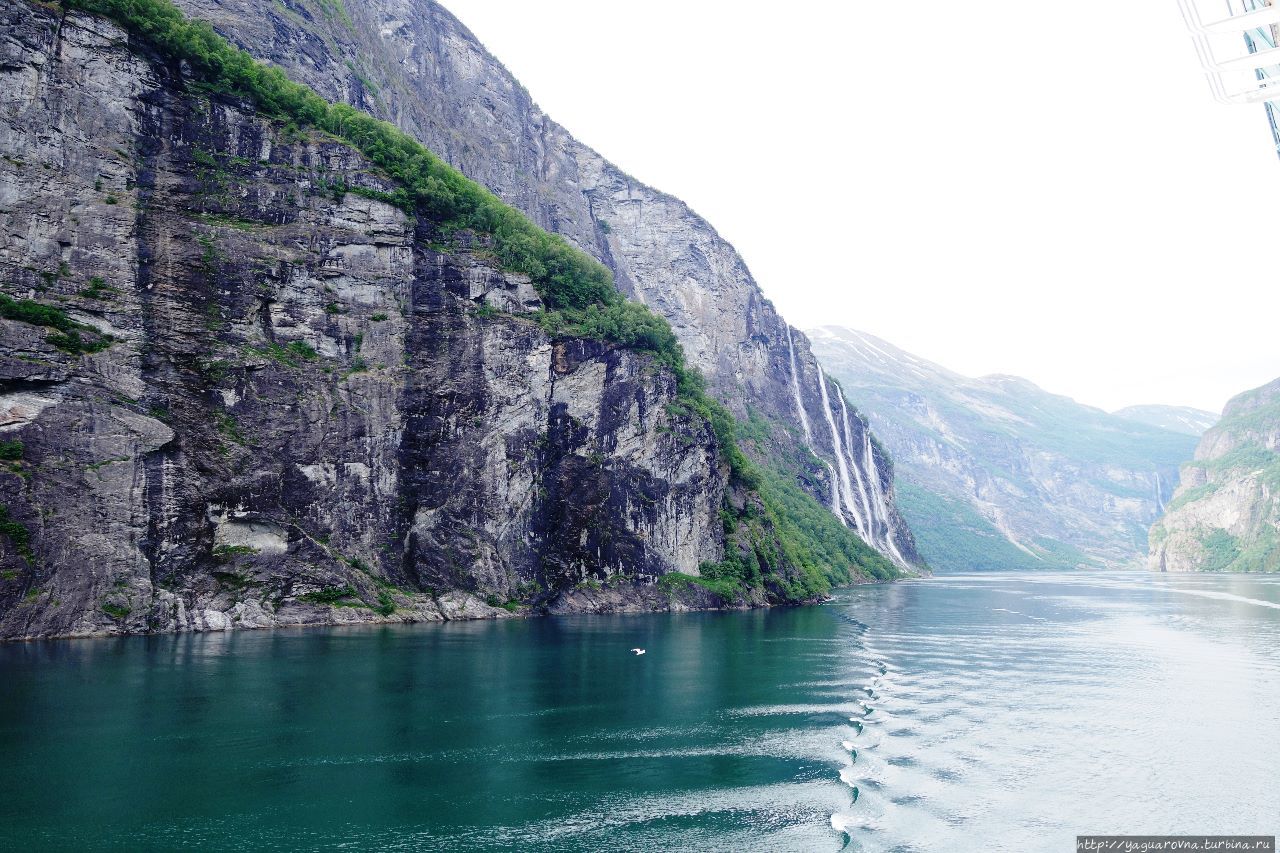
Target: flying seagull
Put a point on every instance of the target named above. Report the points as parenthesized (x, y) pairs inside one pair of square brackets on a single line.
[(637, 651)]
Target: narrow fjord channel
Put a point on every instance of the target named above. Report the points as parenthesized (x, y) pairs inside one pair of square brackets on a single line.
[(1015, 709)]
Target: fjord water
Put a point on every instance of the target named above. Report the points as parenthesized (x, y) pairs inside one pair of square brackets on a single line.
[(991, 712)]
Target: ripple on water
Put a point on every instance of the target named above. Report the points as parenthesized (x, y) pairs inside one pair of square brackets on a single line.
[(926, 719), (1002, 711)]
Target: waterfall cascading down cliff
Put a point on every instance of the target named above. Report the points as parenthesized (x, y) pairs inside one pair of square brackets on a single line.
[(795, 390), (874, 523), (877, 490), (836, 507), (843, 486), (1027, 479), (848, 442)]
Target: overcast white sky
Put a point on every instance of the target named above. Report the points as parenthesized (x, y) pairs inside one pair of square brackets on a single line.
[(1043, 189)]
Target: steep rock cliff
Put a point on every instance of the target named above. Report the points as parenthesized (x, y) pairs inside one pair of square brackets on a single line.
[(412, 63), (234, 394), (1225, 515), (997, 473)]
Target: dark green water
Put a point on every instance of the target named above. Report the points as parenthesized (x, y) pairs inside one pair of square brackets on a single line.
[(1019, 709)]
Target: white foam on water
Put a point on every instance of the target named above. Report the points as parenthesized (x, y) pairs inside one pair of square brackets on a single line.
[(1224, 596), (1199, 593), (843, 709)]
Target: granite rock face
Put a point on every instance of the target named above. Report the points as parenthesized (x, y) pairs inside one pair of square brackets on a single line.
[(1225, 516), (414, 64), (287, 403)]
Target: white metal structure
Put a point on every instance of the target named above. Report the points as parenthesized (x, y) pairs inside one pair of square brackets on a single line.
[(1240, 51)]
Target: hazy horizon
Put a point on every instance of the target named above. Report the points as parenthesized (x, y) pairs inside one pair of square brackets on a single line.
[(994, 198), (983, 376)]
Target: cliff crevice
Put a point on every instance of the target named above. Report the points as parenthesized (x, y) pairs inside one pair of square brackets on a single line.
[(238, 394)]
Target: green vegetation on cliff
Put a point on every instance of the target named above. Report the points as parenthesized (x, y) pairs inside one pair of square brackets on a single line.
[(17, 533), (577, 289), (568, 278), (813, 539), (790, 525), (1229, 521), (67, 336), (997, 473), (958, 538)]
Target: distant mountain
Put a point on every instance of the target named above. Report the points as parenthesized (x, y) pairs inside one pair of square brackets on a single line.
[(1183, 419), (1225, 517), (996, 473)]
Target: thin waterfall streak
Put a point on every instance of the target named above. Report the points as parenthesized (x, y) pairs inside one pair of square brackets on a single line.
[(1159, 495), (835, 494), (838, 449), (795, 390), (873, 473), (877, 493), (836, 508), (867, 529), (857, 469)]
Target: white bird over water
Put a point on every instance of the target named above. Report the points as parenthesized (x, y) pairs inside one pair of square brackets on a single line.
[(637, 651)]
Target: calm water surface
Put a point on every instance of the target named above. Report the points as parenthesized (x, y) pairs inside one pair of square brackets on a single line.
[(980, 712)]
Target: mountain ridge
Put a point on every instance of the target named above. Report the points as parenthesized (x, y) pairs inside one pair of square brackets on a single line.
[(336, 382), (1184, 419), (998, 469), (417, 66)]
